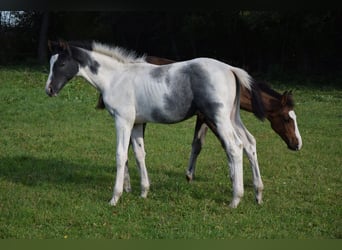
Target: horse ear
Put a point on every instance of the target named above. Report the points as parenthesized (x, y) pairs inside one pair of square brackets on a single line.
[(49, 45), (64, 46), (53, 46), (284, 98)]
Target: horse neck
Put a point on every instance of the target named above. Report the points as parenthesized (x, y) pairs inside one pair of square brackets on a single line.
[(271, 103), (106, 70)]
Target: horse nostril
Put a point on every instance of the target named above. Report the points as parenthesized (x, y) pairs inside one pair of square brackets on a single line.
[(49, 91)]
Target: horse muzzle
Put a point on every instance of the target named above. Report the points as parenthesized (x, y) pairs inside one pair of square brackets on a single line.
[(294, 147), (50, 91)]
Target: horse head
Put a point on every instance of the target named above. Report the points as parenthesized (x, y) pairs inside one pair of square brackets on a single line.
[(63, 67), (283, 121)]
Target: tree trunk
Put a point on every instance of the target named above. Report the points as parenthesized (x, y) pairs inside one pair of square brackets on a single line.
[(42, 45)]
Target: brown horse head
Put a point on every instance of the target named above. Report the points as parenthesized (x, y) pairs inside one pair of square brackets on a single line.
[(281, 114)]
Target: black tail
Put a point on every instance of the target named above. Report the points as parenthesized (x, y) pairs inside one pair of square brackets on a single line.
[(257, 103)]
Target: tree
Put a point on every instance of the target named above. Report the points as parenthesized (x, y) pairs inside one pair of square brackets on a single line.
[(42, 42)]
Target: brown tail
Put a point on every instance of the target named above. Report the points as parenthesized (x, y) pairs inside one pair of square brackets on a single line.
[(100, 103)]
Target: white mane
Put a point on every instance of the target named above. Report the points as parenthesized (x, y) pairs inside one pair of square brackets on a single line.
[(118, 53)]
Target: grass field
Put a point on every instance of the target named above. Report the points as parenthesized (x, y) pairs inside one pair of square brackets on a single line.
[(57, 169)]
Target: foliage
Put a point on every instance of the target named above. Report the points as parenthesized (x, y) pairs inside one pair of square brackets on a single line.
[(57, 158), (260, 41)]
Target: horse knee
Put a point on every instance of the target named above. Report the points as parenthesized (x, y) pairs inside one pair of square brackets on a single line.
[(235, 153), (121, 158)]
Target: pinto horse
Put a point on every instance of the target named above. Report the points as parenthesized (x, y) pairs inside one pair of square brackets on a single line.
[(279, 110), (136, 92)]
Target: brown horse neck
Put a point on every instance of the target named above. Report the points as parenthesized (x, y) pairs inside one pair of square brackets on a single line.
[(270, 102), (246, 100)]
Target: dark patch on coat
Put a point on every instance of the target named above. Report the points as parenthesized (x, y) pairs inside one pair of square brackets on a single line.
[(85, 60), (204, 100), (190, 92), (158, 72), (161, 73), (178, 105)]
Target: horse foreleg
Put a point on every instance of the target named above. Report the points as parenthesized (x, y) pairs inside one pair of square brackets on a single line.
[(197, 143), (137, 139), (123, 132)]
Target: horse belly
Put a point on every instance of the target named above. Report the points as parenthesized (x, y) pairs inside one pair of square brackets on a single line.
[(162, 104), (164, 111)]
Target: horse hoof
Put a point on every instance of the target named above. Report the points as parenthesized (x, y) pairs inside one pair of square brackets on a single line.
[(259, 201), (112, 202), (189, 177), (235, 202), (258, 198), (144, 194), (232, 205), (115, 199)]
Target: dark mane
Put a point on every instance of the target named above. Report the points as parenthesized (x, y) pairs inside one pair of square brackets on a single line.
[(264, 87)]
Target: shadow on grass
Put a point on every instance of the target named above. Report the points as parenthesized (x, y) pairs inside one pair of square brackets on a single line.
[(32, 171)]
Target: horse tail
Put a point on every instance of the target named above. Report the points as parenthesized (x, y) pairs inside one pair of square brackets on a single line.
[(245, 80), (100, 103)]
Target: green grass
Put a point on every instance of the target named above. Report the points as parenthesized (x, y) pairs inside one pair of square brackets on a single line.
[(57, 169)]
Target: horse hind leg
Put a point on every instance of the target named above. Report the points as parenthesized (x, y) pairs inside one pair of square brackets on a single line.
[(251, 153), (197, 143)]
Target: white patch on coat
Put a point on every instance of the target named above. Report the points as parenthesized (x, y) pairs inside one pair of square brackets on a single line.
[(292, 114), (52, 62)]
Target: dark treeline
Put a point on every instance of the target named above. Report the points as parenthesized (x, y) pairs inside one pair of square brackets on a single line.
[(259, 41)]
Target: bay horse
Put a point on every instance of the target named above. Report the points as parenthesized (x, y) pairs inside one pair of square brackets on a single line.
[(136, 92), (279, 110)]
